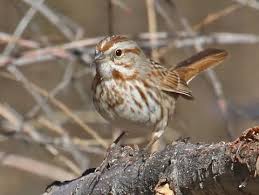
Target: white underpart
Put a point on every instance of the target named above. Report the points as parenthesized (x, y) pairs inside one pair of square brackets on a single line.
[(146, 113), (105, 69), (140, 114)]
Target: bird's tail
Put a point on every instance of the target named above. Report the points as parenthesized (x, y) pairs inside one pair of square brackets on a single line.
[(190, 68)]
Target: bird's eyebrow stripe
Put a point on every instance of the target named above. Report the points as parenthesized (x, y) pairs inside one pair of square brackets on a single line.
[(132, 50), (104, 45)]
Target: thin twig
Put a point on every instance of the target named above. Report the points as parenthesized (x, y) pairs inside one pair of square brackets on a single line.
[(110, 17), (66, 80), (250, 3), (53, 18), (26, 83), (35, 167), (62, 51), (15, 122), (152, 26), (161, 7), (68, 112), (212, 17), (28, 44), (63, 159), (216, 84), (13, 70), (21, 27), (121, 4)]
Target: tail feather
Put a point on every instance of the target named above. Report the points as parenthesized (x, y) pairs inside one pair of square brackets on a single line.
[(177, 78), (191, 67)]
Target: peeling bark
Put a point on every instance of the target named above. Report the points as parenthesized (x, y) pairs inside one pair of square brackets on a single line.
[(180, 168)]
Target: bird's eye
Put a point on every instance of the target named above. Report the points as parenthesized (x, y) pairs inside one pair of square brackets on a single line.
[(118, 52)]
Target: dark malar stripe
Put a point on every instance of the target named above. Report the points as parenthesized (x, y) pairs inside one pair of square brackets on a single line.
[(137, 103), (143, 96)]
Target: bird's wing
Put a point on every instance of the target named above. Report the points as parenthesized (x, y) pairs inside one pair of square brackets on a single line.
[(173, 82), (167, 80), (175, 79)]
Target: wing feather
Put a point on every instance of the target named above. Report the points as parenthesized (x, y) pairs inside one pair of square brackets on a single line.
[(175, 79)]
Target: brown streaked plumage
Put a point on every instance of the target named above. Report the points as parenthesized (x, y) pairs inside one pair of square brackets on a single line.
[(129, 88)]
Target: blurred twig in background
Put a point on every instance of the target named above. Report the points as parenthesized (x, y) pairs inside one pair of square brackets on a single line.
[(51, 120), (251, 3), (35, 167), (216, 84)]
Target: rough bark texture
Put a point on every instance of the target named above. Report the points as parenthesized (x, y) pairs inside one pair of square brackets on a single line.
[(181, 168)]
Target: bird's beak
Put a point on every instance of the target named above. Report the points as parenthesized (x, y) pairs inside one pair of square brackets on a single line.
[(99, 56)]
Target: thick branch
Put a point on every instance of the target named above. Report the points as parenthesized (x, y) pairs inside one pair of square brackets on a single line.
[(181, 168)]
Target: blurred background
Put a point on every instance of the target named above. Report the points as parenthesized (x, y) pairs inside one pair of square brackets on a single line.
[(49, 129)]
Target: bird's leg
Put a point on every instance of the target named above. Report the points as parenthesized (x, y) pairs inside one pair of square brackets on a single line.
[(116, 132), (159, 130), (155, 136)]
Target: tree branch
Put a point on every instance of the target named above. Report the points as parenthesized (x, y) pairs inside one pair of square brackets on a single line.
[(181, 168)]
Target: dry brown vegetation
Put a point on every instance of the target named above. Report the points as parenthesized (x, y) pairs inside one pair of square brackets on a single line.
[(49, 129)]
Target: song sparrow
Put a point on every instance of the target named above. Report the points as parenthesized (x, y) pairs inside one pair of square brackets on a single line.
[(129, 88)]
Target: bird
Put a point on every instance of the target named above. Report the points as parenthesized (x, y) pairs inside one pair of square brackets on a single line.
[(131, 89)]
